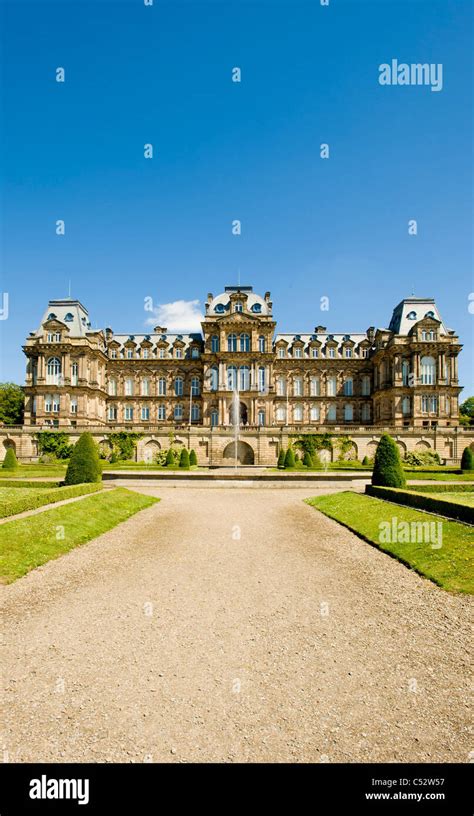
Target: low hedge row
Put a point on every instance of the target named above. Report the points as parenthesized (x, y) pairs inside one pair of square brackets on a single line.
[(29, 483), (409, 498), (31, 502)]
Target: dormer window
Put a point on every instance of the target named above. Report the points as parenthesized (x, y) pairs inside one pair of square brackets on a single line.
[(194, 353), (52, 316), (129, 354), (281, 352), (297, 352), (348, 352), (178, 353), (220, 308), (238, 307), (113, 354), (256, 308), (68, 318), (411, 316), (429, 314)]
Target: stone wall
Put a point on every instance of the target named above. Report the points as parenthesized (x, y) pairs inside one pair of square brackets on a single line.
[(258, 446)]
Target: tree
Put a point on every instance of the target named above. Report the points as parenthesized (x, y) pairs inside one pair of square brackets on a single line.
[(466, 411), (10, 462), (170, 458), (184, 459), (467, 459), (84, 464), (388, 471), (193, 458), (307, 461), (12, 403), (290, 458), (281, 458), (366, 461)]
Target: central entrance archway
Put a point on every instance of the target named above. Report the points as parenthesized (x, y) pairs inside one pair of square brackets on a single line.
[(245, 454)]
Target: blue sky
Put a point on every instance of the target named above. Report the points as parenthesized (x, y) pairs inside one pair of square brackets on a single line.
[(161, 228)]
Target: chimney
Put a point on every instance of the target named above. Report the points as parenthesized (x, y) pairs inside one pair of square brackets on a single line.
[(320, 329), (160, 329), (108, 334)]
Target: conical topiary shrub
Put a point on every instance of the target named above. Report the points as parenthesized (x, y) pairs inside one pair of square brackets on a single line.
[(184, 458), (307, 461), (170, 458), (388, 471), (10, 462), (467, 459), (366, 461), (281, 458), (84, 464), (193, 458), (290, 458)]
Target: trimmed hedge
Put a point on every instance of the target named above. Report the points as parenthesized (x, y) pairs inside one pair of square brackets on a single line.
[(388, 471), (467, 460), (420, 501), (29, 483), (10, 462), (281, 458), (193, 458), (31, 502), (84, 464), (184, 459), (289, 458)]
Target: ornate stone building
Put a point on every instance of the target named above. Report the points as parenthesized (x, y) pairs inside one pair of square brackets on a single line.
[(403, 377)]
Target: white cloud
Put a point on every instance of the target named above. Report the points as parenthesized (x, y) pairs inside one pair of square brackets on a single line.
[(180, 315)]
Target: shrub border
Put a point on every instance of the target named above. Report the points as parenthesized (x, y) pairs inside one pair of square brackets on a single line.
[(420, 501)]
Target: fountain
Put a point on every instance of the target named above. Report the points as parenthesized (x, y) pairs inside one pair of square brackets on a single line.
[(236, 419)]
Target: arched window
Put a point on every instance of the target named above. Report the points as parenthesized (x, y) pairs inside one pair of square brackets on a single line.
[(281, 413), (365, 386), (232, 342), (261, 379), (331, 413), (195, 387), (145, 389), (314, 413), (178, 387), (331, 386), (314, 389), (406, 406), (113, 388), (231, 377), (162, 386), (51, 316), (261, 343), (298, 413), (348, 413), (214, 418), (53, 371), (178, 412), (161, 412), (214, 378), (281, 386), (74, 373), (194, 412), (428, 371), (68, 318), (214, 343), (244, 342), (298, 386), (129, 387), (244, 378), (348, 387), (405, 372)]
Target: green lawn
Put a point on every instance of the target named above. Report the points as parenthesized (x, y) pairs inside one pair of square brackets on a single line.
[(439, 476), (458, 498), (19, 499), (30, 542), (451, 566)]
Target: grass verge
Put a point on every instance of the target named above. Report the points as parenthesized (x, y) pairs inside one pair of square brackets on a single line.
[(451, 566), (28, 543), (17, 499)]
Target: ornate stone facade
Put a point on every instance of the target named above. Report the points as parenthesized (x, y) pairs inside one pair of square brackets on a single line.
[(403, 377)]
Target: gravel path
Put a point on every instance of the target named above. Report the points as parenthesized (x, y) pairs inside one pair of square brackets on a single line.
[(227, 625)]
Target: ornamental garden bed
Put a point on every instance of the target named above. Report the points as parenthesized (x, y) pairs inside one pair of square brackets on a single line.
[(430, 502)]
